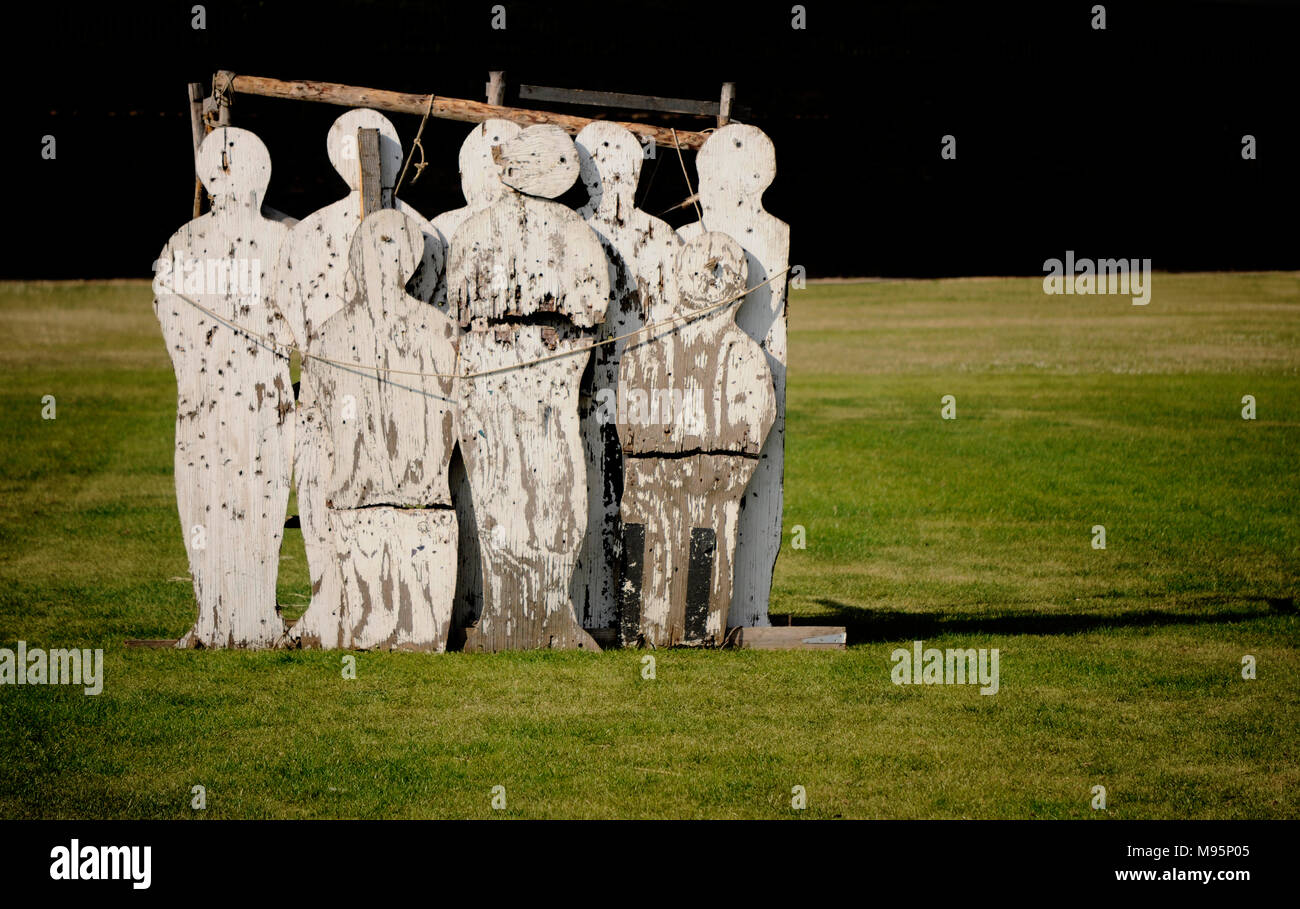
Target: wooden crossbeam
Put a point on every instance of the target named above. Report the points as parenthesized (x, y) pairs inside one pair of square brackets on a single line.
[(435, 105), (618, 99)]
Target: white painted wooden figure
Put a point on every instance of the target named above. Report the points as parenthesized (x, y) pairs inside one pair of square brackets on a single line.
[(641, 250), (234, 416), (480, 182), (309, 290), (735, 165), (528, 279), (696, 404), (386, 400)]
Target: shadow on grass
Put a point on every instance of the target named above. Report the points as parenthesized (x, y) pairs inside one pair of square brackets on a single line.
[(866, 626)]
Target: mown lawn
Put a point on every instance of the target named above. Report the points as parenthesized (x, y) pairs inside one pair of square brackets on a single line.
[(1119, 667)]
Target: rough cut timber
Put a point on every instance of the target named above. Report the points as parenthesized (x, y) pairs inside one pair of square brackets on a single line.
[(234, 425), (524, 276), (392, 436), (436, 106), (696, 403), (792, 637), (309, 289), (641, 250), (480, 182), (735, 166)]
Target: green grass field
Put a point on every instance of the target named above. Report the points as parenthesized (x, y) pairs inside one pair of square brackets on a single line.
[(1119, 667)]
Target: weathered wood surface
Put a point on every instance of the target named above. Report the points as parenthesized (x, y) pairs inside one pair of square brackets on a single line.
[(523, 256), (735, 166), (480, 181), (703, 385), (641, 251), (520, 437), (371, 179), (618, 100), (684, 511), (391, 433), (309, 289), (696, 405), (540, 161), (197, 132), (398, 567), (790, 637), (519, 260), (442, 107), (234, 426)]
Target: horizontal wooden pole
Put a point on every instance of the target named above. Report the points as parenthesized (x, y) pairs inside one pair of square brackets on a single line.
[(444, 108)]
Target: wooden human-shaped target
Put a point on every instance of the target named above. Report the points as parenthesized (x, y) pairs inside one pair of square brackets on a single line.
[(735, 165), (234, 416), (385, 396), (527, 279), (641, 250), (696, 404), (309, 289), (480, 182)]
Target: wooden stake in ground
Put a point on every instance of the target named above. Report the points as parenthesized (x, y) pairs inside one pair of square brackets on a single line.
[(234, 419)]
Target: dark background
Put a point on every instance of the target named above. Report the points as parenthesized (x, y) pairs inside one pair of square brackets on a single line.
[(1117, 143)]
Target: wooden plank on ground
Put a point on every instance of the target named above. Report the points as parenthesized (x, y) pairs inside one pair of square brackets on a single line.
[(790, 637)]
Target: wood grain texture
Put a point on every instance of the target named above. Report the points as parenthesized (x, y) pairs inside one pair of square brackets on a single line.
[(391, 434), (517, 260), (669, 497), (791, 637), (521, 440), (309, 289), (703, 385), (696, 403), (523, 256), (641, 251), (540, 161), (234, 426), (480, 181), (735, 166), (396, 566)]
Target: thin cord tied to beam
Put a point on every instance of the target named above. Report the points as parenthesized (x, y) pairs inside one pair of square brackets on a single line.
[(416, 143)]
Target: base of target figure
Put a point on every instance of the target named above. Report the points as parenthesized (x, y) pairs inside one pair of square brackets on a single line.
[(398, 571), (522, 442), (679, 546)]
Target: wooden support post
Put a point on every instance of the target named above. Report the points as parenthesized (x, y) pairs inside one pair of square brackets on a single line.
[(724, 105), (197, 133), (368, 158), (436, 105), (496, 87)]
